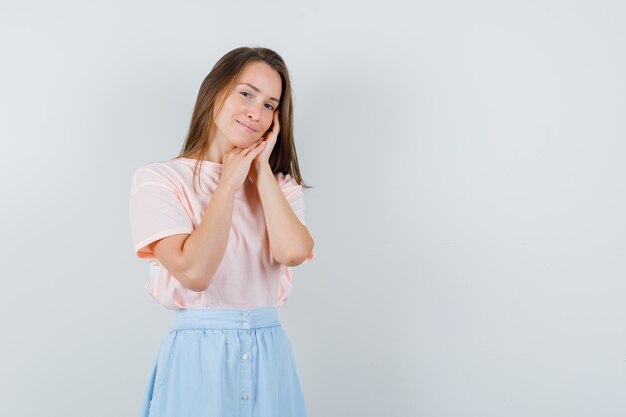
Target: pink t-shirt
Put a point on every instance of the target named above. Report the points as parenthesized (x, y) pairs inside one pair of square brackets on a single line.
[(163, 203)]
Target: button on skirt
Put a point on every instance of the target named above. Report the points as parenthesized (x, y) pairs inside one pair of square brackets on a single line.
[(225, 363)]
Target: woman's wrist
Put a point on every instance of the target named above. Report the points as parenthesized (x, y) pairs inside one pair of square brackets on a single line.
[(258, 170)]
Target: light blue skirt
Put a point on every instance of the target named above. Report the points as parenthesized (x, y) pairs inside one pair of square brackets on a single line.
[(225, 363)]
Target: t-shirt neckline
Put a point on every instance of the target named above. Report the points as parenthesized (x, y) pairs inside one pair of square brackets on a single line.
[(205, 163)]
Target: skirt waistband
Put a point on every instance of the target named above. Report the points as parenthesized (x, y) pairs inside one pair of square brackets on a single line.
[(226, 318)]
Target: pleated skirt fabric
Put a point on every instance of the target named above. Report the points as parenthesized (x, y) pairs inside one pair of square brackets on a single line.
[(225, 363)]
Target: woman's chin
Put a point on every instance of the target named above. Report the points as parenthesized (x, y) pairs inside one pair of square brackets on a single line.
[(241, 141), (247, 142)]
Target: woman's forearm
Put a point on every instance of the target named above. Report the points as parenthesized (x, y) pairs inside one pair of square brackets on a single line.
[(205, 247), (290, 241)]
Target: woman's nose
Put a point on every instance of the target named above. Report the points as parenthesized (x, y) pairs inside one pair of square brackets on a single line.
[(253, 112)]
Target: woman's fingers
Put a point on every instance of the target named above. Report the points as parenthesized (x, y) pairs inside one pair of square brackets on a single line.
[(253, 147), (258, 149), (237, 161)]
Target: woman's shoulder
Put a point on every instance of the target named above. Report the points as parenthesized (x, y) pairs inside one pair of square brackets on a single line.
[(166, 171), (287, 182), (171, 165), (283, 177)]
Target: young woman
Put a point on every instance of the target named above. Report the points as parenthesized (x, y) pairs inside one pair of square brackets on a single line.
[(223, 224)]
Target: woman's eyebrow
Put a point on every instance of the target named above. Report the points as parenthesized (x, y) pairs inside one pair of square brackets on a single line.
[(258, 91)]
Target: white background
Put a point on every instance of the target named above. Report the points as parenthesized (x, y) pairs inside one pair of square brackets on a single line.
[(468, 209)]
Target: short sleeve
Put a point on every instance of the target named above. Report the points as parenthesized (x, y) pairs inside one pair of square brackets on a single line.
[(155, 210), (295, 197)]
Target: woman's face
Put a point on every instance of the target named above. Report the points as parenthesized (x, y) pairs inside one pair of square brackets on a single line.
[(249, 108)]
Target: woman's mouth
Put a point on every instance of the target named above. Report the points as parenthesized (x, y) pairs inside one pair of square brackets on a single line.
[(246, 127)]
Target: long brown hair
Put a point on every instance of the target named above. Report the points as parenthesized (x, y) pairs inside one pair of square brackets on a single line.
[(216, 87)]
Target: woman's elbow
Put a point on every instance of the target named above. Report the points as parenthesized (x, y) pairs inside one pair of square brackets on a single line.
[(196, 283), (299, 257)]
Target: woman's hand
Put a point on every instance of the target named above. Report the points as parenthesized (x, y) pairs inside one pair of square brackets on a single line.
[(269, 139), (236, 164)]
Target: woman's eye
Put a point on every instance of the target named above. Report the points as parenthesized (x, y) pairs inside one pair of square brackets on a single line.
[(246, 92)]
